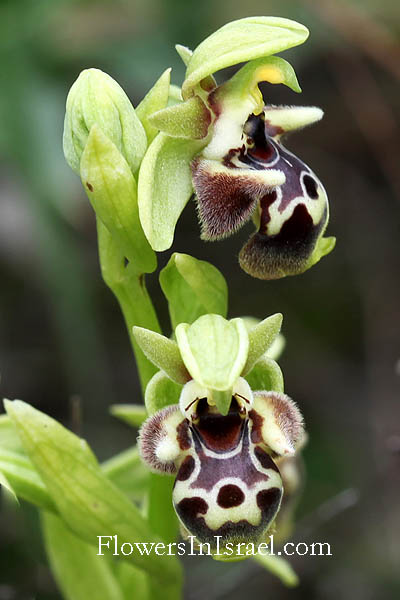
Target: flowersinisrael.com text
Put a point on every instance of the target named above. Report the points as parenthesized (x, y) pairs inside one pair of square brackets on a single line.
[(110, 544)]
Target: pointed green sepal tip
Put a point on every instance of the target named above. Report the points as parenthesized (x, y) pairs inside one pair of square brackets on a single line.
[(261, 337), (193, 288), (156, 99), (162, 352), (96, 98), (241, 41), (112, 191), (214, 350)]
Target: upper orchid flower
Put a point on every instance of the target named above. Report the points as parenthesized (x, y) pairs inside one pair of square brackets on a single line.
[(225, 145)]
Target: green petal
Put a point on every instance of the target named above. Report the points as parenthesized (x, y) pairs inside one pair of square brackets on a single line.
[(87, 501), (161, 391), (266, 375), (261, 338), (214, 350), (79, 572), (156, 99), (111, 189), (162, 352), (193, 288), (241, 41), (190, 119), (165, 186)]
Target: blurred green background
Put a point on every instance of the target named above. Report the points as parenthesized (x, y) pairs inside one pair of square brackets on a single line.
[(62, 339)]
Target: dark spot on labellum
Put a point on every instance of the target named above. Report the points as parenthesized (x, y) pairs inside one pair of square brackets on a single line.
[(268, 501), (311, 186), (189, 508), (183, 437), (89, 186), (186, 468), (265, 460), (230, 495)]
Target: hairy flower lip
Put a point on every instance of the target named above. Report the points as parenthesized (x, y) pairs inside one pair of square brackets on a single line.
[(260, 173)]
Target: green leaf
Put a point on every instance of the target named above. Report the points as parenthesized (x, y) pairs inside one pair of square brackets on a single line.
[(241, 41), (23, 479), (193, 288), (261, 338), (161, 391), (79, 572), (266, 375), (133, 414), (162, 352), (7, 486), (111, 189), (127, 471), (279, 567), (155, 100), (131, 578), (214, 351), (95, 98), (190, 119), (9, 439), (87, 501), (165, 186)]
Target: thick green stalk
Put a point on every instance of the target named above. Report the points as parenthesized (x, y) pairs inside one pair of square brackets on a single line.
[(130, 290)]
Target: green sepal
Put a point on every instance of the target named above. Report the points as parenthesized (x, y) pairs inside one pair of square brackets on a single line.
[(161, 391), (190, 119), (193, 288), (165, 186), (79, 572), (214, 351), (241, 41), (185, 53), (175, 95), (133, 414), (95, 98), (85, 498), (279, 567), (266, 375), (111, 189), (261, 337), (162, 352), (155, 100)]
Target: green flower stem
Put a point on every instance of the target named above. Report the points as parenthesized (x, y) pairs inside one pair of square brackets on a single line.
[(130, 290)]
